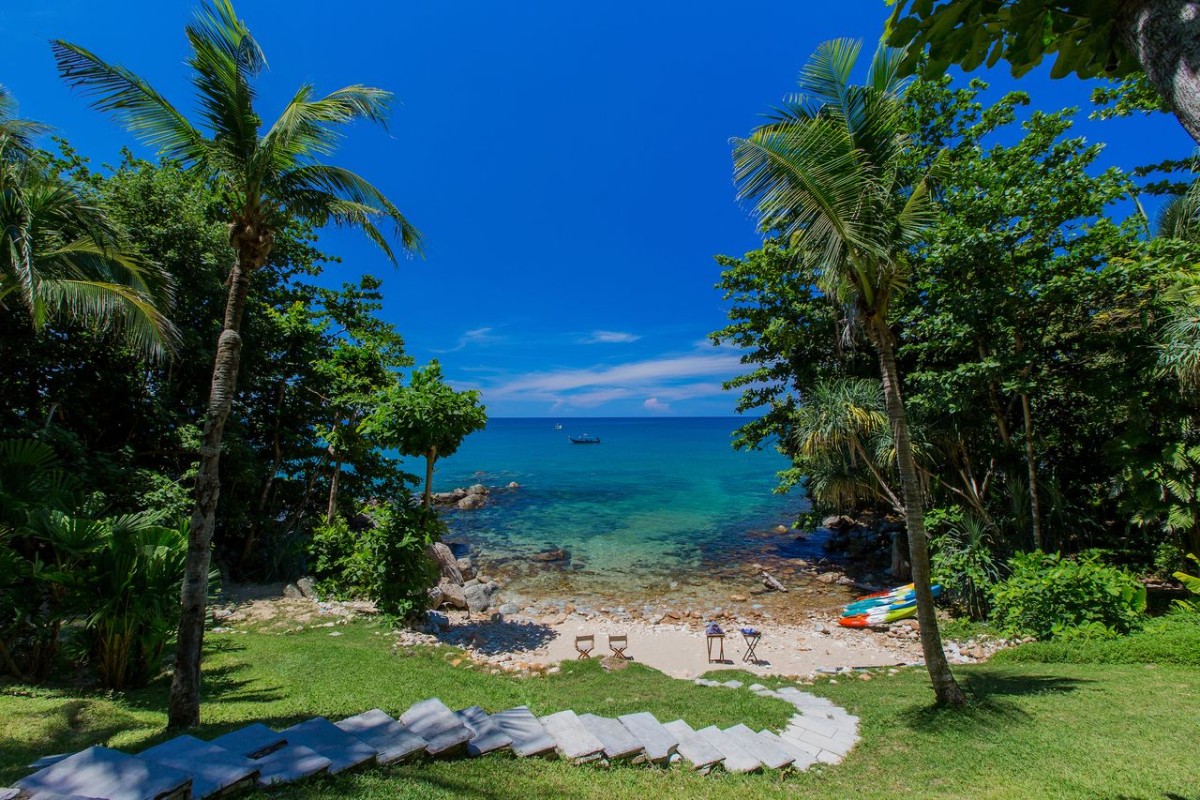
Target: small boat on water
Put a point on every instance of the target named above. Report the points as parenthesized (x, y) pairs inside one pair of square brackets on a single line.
[(585, 439), (558, 426)]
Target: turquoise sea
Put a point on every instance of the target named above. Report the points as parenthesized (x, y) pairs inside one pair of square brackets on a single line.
[(658, 500)]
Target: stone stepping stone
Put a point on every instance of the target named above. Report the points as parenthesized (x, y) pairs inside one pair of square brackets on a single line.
[(529, 737), (343, 749), (802, 759), (656, 740), (618, 742), (766, 751), (832, 738), (442, 731), (292, 762), (736, 758), (392, 741), (43, 762), (213, 768), (487, 735), (252, 741), (572, 740), (694, 749), (111, 774)]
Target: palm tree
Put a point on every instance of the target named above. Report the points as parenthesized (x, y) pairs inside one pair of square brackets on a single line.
[(829, 171), (264, 177), (60, 257)]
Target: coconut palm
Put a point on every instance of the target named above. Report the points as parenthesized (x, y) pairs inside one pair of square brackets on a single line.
[(828, 171), (266, 175), (60, 257)]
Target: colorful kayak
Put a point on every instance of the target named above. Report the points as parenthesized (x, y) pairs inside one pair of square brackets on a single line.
[(879, 617), (891, 600)]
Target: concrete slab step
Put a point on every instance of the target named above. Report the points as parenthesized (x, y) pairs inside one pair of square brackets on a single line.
[(487, 737), (695, 750), (618, 742), (213, 768), (762, 748), (392, 741), (736, 757), (290, 763), (252, 741), (344, 749), (110, 774), (656, 740), (442, 731), (571, 739), (45, 761), (801, 758), (529, 737)]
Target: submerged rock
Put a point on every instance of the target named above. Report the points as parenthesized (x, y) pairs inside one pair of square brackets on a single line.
[(557, 554)]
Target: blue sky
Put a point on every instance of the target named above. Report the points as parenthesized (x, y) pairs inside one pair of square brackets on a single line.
[(568, 164)]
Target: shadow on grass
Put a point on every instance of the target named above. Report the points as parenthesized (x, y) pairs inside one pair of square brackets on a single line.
[(72, 726), (990, 702)]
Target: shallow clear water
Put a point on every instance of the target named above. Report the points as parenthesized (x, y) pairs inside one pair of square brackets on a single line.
[(657, 500)]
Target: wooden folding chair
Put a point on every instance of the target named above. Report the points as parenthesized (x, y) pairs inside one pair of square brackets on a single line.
[(618, 644), (585, 645)]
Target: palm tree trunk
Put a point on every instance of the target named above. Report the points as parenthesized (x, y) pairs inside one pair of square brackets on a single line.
[(1161, 34), (184, 705), (430, 457), (944, 686), (1035, 505)]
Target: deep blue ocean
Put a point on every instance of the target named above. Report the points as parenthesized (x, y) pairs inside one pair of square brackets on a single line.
[(659, 499)]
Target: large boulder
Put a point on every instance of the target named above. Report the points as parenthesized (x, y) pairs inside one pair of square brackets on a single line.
[(470, 502), (478, 489), (447, 563), (837, 523), (307, 587), (452, 594), (478, 597), (449, 498)]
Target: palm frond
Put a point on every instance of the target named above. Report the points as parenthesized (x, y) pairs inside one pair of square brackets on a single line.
[(131, 100), (225, 59), (109, 306), (308, 127), (16, 134), (320, 191)]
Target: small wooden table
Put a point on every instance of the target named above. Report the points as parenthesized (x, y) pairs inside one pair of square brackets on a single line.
[(720, 640), (751, 643)]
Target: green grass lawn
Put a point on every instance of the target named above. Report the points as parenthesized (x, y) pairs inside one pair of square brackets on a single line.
[(1041, 730)]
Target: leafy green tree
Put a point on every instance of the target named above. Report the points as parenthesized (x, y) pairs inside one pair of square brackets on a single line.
[(426, 419), (996, 325), (1090, 38), (828, 171), (265, 178)]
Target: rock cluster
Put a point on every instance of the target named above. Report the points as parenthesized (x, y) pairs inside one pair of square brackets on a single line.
[(469, 498)]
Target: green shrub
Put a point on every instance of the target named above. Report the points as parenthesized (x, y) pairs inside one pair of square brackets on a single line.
[(1170, 639), (128, 596), (1048, 596), (385, 562), (964, 564)]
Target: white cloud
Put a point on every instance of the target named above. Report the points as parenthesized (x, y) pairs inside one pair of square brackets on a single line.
[(650, 373), (611, 337), (476, 336), (654, 404)]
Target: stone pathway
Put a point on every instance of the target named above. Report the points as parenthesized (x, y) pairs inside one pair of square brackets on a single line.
[(256, 755)]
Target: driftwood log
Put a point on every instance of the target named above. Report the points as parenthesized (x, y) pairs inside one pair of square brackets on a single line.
[(772, 583)]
